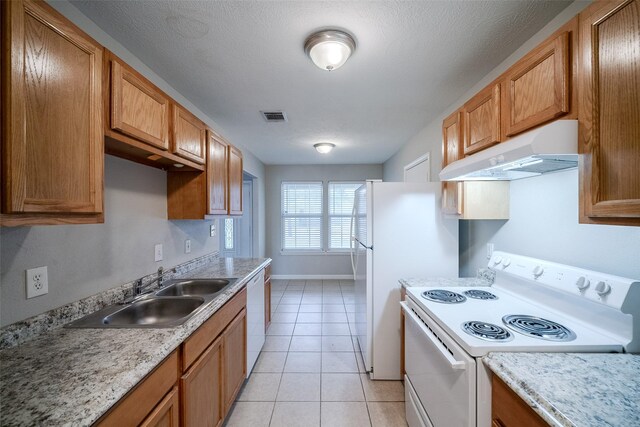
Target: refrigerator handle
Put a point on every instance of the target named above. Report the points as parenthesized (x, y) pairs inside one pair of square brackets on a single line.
[(352, 239)]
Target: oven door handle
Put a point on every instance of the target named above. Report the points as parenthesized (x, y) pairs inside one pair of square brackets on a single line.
[(455, 364)]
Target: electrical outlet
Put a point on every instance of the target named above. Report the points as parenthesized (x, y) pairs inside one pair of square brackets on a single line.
[(37, 282), (158, 252), (212, 230), (187, 246), (489, 250)]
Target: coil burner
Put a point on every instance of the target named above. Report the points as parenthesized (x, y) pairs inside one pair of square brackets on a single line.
[(538, 327), (480, 294), (444, 296), (486, 331)]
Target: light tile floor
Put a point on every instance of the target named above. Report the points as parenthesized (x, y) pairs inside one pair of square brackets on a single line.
[(309, 373)]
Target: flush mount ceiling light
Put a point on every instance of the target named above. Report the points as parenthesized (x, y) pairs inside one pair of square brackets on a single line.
[(329, 49), (324, 147)]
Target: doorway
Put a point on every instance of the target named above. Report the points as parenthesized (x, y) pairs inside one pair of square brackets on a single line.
[(236, 238)]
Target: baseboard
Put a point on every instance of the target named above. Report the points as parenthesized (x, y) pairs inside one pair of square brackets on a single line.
[(312, 276)]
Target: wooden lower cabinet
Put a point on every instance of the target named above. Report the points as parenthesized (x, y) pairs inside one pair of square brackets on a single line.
[(214, 363), (148, 400), (235, 358), (201, 388), (509, 410), (167, 413)]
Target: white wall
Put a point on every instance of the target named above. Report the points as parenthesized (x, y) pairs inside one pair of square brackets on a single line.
[(544, 224), (83, 260), (325, 265)]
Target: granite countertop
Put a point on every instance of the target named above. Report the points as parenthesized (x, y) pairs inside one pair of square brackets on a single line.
[(574, 389), (73, 376), (485, 277)]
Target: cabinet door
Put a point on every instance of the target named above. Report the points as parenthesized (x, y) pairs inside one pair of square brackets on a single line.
[(609, 114), (451, 151), (235, 357), (167, 413), (138, 108), (52, 144), (189, 136), (202, 388), (218, 175), (235, 181), (482, 120), (538, 86)]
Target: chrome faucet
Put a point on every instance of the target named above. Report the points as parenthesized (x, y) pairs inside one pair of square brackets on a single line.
[(139, 290)]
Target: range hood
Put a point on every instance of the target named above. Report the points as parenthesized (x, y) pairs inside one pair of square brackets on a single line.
[(550, 148)]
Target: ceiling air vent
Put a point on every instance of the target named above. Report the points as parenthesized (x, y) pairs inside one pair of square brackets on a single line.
[(274, 116)]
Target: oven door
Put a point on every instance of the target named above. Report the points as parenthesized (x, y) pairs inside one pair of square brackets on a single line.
[(442, 374)]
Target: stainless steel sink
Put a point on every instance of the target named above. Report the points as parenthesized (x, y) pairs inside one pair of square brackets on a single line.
[(193, 287), (173, 305), (153, 311)]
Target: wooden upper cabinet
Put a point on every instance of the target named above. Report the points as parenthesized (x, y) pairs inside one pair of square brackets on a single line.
[(52, 141), (235, 181), (452, 142), (609, 113), (482, 120), (138, 108), (537, 87), (218, 175), (189, 135)]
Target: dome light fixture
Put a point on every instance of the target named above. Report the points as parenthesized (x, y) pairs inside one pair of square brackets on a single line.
[(324, 147), (329, 49)]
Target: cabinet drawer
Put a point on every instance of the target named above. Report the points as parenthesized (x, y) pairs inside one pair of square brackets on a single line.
[(132, 409), (193, 347)]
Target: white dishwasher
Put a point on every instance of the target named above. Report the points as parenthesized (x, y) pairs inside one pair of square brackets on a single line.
[(255, 319)]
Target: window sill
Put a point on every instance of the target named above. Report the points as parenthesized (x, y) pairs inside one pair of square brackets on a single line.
[(316, 253)]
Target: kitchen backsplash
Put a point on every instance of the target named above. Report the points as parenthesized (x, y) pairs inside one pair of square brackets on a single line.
[(27, 329)]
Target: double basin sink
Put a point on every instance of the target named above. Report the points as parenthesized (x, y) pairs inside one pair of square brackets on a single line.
[(172, 305)]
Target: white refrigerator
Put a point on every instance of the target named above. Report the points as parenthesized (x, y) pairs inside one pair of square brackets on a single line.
[(398, 231)]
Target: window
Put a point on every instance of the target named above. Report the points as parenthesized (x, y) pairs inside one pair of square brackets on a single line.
[(228, 234), (304, 216), (302, 211), (341, 196)]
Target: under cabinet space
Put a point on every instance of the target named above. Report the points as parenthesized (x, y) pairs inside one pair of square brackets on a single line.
[(52, 142)]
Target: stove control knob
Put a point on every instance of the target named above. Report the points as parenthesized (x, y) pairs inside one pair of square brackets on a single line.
[(537, 271), (506, 263), (497, 260), (603, 289), (582, 283)]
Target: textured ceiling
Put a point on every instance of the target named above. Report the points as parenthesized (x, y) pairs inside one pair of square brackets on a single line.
[(235, 58)]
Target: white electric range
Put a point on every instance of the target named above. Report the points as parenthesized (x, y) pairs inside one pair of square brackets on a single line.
[(533, 306)]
